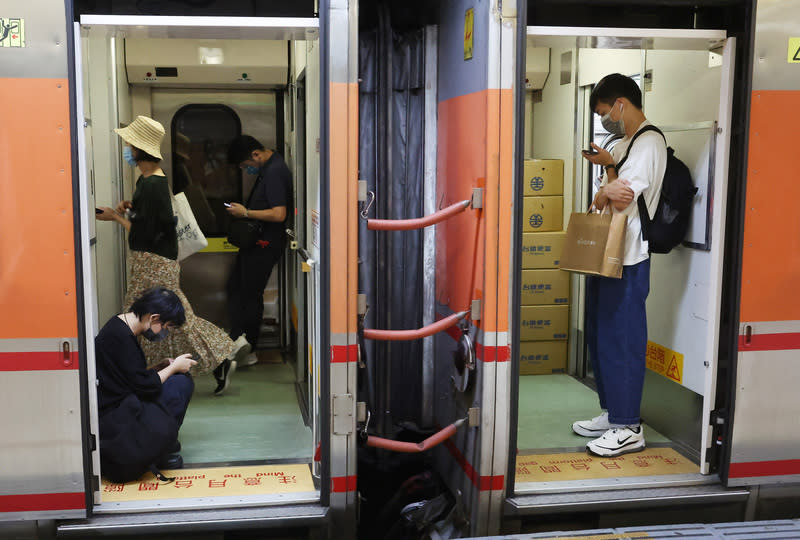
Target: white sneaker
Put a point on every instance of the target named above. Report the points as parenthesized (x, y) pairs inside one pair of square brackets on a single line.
[(618, 441), (592, 428), (241, 350), (249, 360)]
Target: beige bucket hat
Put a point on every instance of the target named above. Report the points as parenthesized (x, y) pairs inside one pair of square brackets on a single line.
[(145, 134)]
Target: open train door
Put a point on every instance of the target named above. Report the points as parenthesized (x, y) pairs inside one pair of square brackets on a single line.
[(42, 333), (687, 81), (764, 439)]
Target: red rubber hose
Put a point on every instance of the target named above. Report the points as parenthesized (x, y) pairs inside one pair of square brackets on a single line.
[(407, 335), (417, 223), (408, 447)]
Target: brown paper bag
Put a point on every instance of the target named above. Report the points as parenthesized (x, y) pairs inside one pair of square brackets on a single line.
[(595, 244)]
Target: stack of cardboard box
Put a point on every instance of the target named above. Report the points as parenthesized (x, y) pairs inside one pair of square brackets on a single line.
[(545, 289)]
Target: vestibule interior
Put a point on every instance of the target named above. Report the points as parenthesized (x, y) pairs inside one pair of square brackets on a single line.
[(207, 85), (684, 89)]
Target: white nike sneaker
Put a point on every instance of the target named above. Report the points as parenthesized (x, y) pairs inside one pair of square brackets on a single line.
[(618, 441), (592, 428)]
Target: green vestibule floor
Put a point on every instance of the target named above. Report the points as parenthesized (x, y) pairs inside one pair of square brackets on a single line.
[(257, 419), (549, 404)]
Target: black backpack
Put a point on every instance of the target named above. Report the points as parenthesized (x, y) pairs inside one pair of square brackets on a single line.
[(668, 227)]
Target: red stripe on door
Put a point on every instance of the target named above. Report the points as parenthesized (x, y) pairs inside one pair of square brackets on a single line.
[(38, 361), (42, 502), (764, 468), (770, 342), (343, 484), (483, 483), (343, 353), (493, 354)]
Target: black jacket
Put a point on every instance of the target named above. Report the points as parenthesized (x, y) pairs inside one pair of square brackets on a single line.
[(135, 428)]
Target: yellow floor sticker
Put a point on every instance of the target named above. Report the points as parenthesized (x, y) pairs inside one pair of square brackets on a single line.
[(219, 482), (582, 466)]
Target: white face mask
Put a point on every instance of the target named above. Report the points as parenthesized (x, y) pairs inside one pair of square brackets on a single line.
[(614, 127)]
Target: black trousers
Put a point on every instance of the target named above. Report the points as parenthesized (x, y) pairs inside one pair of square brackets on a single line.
[(246, 286)]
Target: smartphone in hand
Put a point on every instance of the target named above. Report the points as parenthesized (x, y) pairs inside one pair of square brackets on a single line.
[(590, 152), (98, 211), (227, 204)]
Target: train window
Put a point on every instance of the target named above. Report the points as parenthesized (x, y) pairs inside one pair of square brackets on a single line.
[(201, 135)]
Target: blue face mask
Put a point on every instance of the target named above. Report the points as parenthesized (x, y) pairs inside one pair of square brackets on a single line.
[(252, 170), (127, 155), (149, 335)]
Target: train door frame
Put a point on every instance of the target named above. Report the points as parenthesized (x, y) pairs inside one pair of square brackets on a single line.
[(233, 28), (721, 186)]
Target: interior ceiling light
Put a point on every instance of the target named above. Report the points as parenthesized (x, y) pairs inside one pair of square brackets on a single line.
[(210, 55)]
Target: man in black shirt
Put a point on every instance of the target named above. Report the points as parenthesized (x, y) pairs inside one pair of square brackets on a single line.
[(270, 202)]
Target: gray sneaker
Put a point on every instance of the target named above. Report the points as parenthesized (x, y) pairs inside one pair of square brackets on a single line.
[(241, 350), (592, 428)]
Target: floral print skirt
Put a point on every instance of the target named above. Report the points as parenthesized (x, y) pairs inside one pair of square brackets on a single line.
[(208, 343)]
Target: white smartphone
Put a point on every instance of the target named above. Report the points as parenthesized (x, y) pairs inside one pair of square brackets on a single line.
[(227, 204)]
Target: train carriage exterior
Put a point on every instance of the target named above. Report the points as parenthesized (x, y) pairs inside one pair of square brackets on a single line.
[(388, 114)]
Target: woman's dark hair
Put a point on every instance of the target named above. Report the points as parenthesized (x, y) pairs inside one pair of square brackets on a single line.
[(141, 155), (162, 302), (242, 147), (614, 86)]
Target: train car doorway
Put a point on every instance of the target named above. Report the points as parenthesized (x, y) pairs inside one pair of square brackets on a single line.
[(208, 80), (686, 81)]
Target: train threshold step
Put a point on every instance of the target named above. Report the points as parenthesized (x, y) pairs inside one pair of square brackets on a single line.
[(309, 516)]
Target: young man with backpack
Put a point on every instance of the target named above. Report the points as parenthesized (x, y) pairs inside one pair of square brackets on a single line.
[(616, 316)]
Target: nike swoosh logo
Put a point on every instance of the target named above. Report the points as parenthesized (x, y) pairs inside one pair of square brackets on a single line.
[(621, 441)]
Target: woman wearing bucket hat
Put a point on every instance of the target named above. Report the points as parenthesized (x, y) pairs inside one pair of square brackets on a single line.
[(153, 246)]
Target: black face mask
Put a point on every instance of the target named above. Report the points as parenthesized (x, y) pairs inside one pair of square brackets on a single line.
[(149, 335)]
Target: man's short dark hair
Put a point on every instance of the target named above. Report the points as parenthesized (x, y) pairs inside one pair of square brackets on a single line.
[(614, 86), (141, 155), (160, 301), (242, 148)]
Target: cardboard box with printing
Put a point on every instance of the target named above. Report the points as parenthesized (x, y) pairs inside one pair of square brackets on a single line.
[(544, 323), (542, 357), (542, 214), (542, 287), (543, 177), (542, 250)]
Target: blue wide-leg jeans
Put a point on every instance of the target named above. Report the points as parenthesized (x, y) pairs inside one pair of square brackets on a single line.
[(616, 335)]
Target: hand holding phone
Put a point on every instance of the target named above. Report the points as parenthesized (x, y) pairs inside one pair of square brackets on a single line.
[(227, 205), (98, 211), (590, 152)]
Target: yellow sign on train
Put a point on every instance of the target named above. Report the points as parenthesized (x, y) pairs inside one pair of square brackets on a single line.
[(469, 19), (794, 50), (219, 245), (665, 362), (12, 32)]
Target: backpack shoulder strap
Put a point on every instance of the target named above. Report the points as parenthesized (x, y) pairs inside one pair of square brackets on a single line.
[(644, 215), (253, 189), (633, 140)]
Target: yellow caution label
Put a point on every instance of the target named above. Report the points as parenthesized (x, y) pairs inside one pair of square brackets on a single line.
[(794, 50), (469, 19), (219, 245), (665, 362), (12, 32)]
